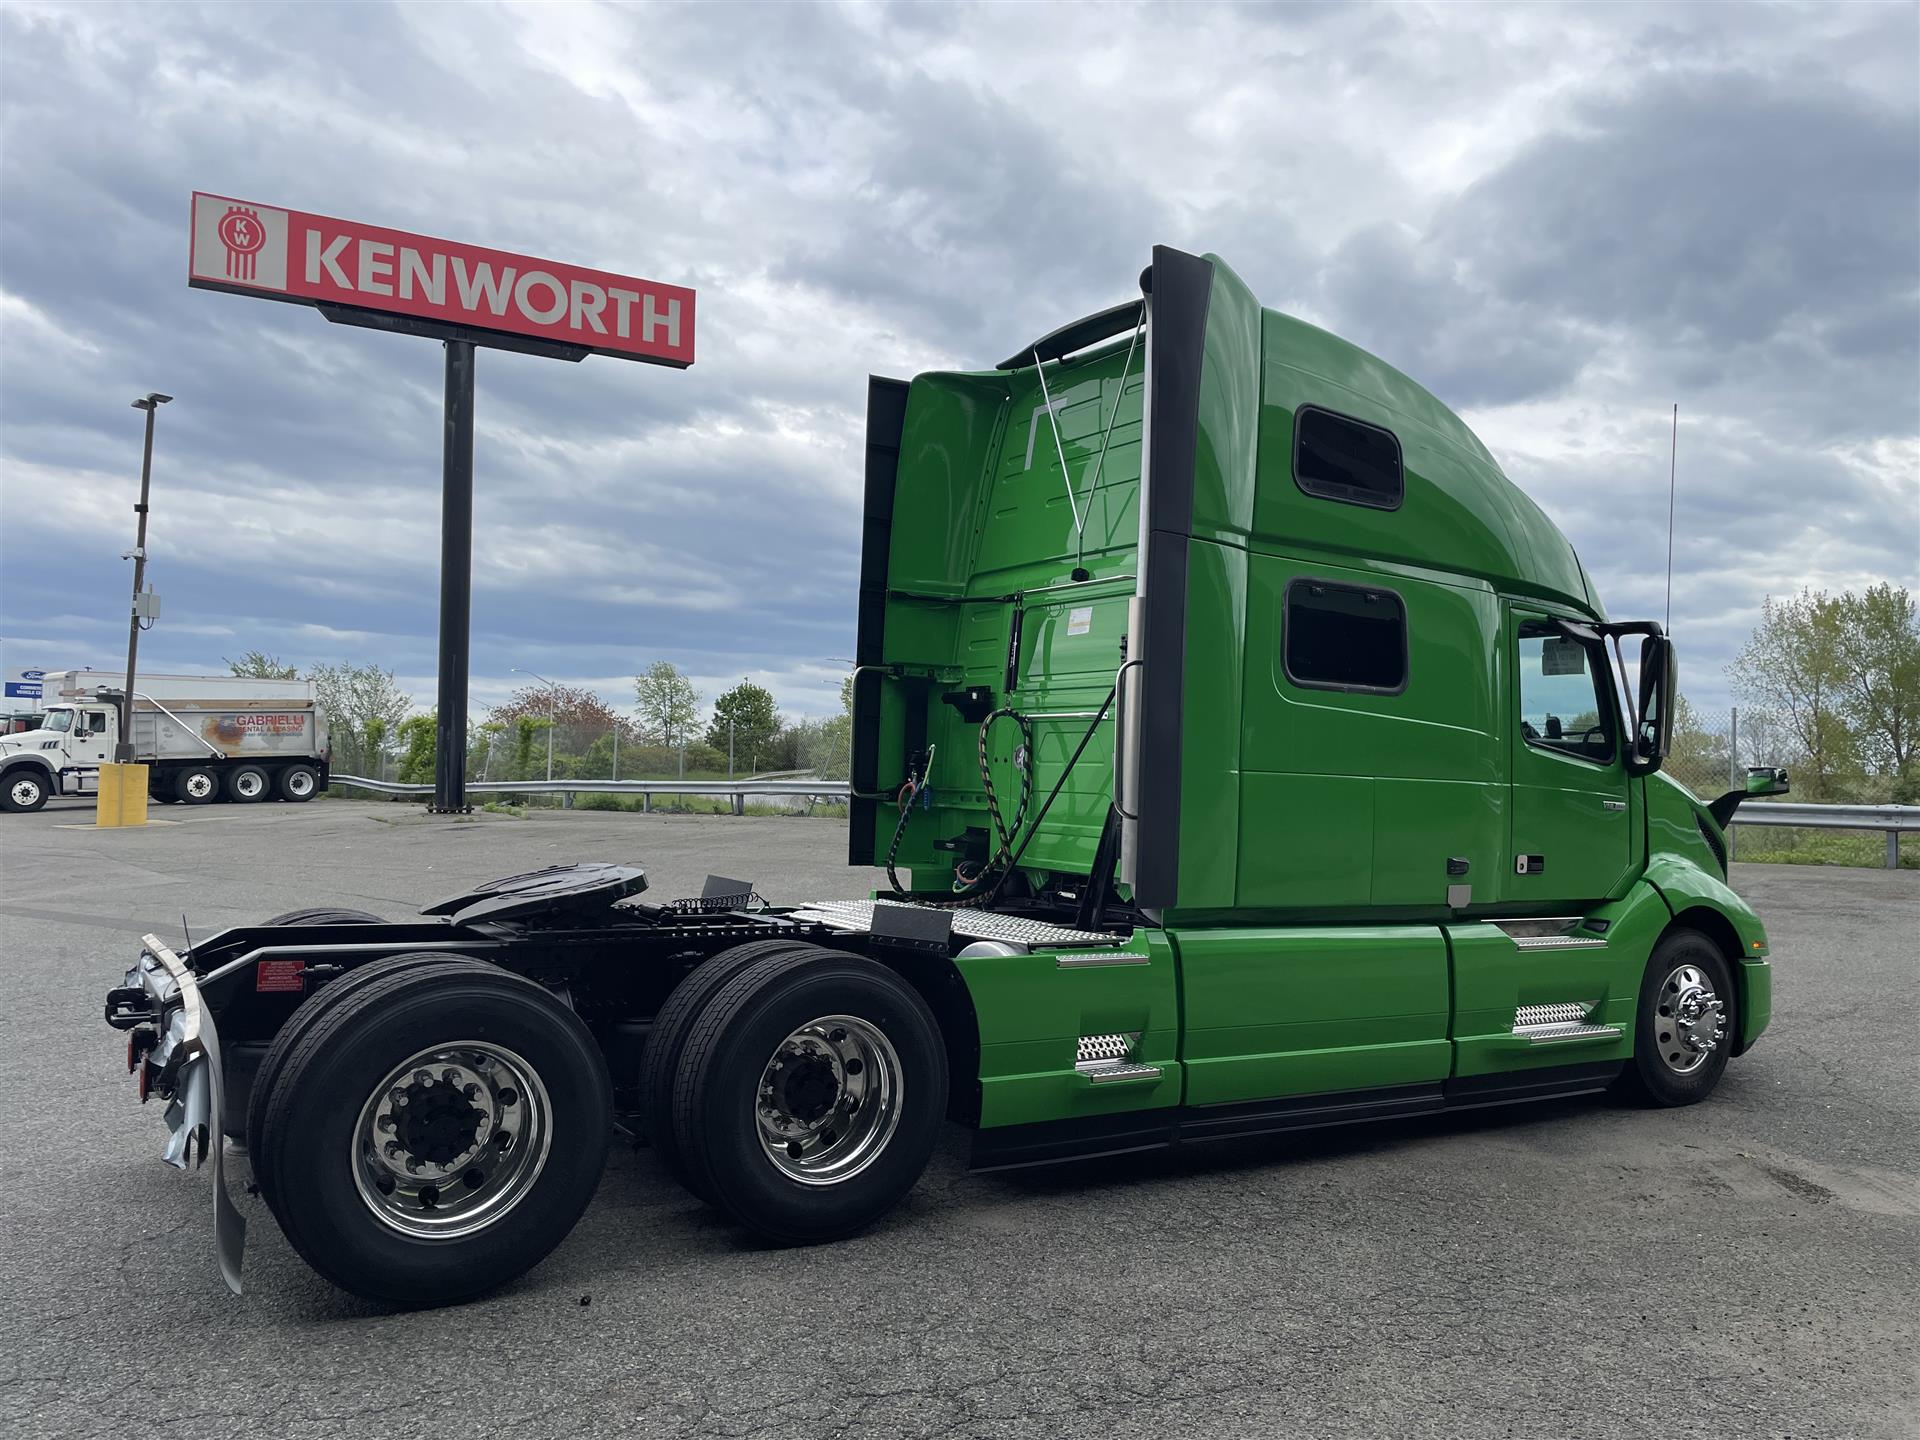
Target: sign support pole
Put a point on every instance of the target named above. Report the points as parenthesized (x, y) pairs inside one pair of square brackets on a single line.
[(456, 582)]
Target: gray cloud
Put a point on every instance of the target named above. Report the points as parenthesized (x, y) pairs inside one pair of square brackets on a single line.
[(1558, 219)]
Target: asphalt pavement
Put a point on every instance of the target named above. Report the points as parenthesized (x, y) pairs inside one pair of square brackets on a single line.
[(1746, 1267)]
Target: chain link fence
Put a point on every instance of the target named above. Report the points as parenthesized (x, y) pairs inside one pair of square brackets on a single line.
[(1711, 752)]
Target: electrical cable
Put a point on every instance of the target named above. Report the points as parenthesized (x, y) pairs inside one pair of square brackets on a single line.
[(985, 883)]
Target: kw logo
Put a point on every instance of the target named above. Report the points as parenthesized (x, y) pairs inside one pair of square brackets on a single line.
[(243, 235)]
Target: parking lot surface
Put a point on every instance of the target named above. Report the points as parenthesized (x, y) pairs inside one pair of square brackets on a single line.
[(1747, 1267)]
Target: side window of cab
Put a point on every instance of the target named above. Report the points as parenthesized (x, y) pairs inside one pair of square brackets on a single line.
[(1564, 705)]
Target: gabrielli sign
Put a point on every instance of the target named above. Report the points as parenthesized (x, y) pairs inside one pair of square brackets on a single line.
[(289, 255)]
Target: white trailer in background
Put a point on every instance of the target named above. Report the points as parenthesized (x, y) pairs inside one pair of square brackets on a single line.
[(202, 738)]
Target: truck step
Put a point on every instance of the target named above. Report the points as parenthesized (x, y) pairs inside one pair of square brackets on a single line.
[(1559, 1024), (1108, 1059), (1557, 942), (1110, 1072), (1554, 933)]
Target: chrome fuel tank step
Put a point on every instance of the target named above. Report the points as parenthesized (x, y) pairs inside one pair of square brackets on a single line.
[(1559, 1024)]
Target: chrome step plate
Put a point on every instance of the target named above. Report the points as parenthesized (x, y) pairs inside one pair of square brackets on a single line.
[(1106, 1072), (1555, 1034), (1557, 942), (1555, 1024)]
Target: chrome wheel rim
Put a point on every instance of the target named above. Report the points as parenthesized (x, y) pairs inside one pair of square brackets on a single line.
[(24, 792), (1689, 1020), (198, 785), (451, 1140), (829, 1099), (249, 786), (300, 783)]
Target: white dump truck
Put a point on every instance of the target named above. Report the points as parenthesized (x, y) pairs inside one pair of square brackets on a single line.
[(202, 738)]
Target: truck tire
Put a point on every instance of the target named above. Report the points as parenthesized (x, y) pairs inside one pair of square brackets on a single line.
[(451, 1124), (247, 785), (1685, 1025), (325, 915), (299, 783), (23, 791), (198, 785), (668, 1038), (810, 1095), (259, 1141)]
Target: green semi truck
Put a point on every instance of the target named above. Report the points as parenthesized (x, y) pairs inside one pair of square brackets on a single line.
[(1244, 751)]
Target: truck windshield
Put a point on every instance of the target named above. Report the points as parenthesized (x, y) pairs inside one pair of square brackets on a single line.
[(58, 720)]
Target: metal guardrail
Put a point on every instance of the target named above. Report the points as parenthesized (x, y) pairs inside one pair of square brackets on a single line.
[(737, 790), (1893, 819)]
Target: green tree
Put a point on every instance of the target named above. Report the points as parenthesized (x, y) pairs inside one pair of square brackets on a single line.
[(746, 714), (258, 665), (363, 704), (1880, 654), (1795, 664), (526, 730), (667, 705), (419, 741), (1699, 757)]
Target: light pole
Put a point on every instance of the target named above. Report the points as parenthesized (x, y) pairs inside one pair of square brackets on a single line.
[(549, 684), (151, 403)]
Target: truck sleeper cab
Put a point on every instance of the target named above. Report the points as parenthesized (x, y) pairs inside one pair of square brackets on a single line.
[(1245, 753)]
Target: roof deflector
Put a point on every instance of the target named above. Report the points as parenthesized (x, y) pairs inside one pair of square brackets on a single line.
[(1079, 334)]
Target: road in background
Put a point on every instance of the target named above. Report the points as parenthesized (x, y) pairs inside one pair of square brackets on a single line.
[(1746, 1267)]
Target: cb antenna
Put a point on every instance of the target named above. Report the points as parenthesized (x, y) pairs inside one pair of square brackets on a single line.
[(1673, 461)]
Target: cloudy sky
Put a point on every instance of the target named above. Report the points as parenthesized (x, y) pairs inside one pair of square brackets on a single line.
[(1562, 220)]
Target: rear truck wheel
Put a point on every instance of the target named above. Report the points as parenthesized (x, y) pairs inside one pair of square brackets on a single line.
[(324, 915), (446, 1126), (197, 785), (1685, 1024), (260, 1139), (23, 791), (247, 785), (667, 1040), (299, 783), (810, 1095)]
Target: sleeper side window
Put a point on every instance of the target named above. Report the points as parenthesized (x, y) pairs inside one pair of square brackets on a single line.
[(1338, 458), (1563, 694), (1345, 637)]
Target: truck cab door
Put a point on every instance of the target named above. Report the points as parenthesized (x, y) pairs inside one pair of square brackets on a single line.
[(90, 742), (1572, 825)]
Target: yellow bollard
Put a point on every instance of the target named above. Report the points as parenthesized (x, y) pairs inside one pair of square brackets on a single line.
[(123, 796)]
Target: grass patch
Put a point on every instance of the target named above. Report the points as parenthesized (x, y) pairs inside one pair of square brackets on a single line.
[(1771, 846)]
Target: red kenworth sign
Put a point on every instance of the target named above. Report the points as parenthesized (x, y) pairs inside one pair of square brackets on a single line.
[(254, 249)]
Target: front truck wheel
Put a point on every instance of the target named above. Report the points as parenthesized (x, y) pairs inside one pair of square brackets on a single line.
[(445, 1128), (810, 1095), (1686, 1022), (23, 791)]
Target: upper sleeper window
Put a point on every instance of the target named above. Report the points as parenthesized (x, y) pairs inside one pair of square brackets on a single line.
[(1345, 637), (1341, 459)]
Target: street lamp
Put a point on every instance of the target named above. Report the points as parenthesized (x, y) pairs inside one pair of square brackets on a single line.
[(150, 402), (515, 669)]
